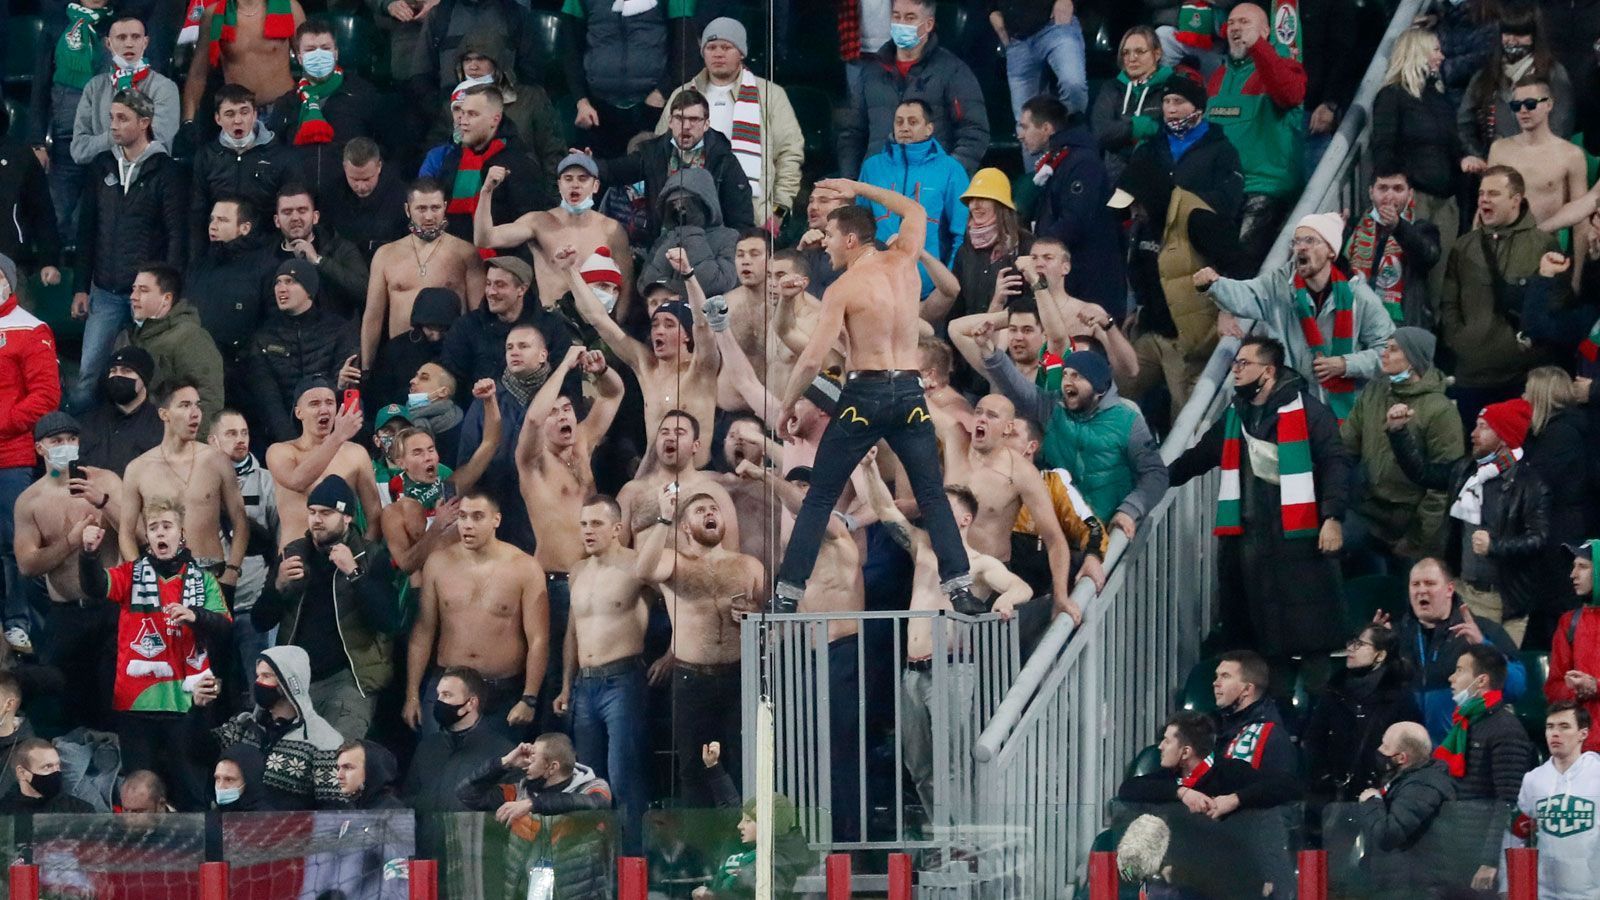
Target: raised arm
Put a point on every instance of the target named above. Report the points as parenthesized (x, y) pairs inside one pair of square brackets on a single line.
[(303, 476), (654, 564), (466, 476), (706, 356), (608, 398), (963, 335), (946, 287), (593, 311), (487, 234), (742, 378), (913, 218), (883, 505), (531, 440)]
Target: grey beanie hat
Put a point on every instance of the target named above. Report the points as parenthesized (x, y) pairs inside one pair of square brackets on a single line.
[(727, 29), (1418, 345), (9, 270)]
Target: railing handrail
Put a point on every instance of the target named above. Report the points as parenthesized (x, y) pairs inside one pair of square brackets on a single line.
[(1342, 153)]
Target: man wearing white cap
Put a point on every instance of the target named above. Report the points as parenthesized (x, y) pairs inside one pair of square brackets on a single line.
[(1332, 326), (572, 222), (754, 114)]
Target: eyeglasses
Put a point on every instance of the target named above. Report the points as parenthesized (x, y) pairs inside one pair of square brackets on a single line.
[(1528, 105), (680, 119), (1304, 240), (1135, 51), (1240, 364), (1356, 643)]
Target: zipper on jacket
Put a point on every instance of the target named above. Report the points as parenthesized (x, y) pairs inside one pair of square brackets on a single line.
[(339, 627)]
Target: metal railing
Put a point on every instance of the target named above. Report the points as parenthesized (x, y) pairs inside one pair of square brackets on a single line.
[(1081, 709)]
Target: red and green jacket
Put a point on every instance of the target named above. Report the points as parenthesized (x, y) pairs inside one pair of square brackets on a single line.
[(1256, 101)]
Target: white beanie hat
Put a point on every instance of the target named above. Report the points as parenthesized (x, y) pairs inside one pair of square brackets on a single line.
[(1329, 226)]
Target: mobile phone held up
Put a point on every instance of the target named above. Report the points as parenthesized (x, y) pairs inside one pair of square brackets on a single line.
[(352, 401)]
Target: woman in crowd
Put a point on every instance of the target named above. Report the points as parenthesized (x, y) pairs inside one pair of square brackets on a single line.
[(1128, 108)]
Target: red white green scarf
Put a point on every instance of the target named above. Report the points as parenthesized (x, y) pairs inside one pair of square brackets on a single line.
[(1193, 778), (469, 178), (1250, 744), (314, 126), (131, 77), (1341, 390), (1297, 486), (278, 25), (1046, 166), (1589, 349), (1389, 278), (1453, 749), (1197, 25), (746, 131)]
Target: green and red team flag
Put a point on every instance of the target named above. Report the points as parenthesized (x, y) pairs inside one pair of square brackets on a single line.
[(1200, 27), (278, 26), (1297, 486), (1589, 349)]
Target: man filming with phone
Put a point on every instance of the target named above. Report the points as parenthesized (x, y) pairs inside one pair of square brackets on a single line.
[(323, 448)]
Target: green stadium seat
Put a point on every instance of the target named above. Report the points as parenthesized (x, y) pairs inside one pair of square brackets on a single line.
[(1196, 694), (24, 43), (1530, 706), (1145, 762), (356, 40), (814, 109), (53, 305), (1367, 594)]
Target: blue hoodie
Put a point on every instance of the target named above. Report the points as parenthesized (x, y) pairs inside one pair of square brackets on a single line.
[(933, 178)]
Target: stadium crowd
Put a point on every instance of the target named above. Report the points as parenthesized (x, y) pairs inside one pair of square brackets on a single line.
[(427, 440)]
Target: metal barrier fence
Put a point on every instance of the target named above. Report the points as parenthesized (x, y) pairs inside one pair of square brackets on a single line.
[(1079, 711), (936, 711)]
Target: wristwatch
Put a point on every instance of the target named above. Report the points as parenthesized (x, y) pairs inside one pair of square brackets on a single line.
[(531, 701)]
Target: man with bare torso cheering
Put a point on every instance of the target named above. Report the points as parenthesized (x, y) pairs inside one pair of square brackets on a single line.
[(876, 303)]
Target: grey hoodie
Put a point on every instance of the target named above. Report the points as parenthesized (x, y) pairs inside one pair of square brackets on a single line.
[(91, 124), (300, 754), (710, 248)]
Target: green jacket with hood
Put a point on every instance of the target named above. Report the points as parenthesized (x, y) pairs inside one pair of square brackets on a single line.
[(184, 352), (1397, 510)]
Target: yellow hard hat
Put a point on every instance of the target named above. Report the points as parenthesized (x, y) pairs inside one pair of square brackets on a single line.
[(990, 184)]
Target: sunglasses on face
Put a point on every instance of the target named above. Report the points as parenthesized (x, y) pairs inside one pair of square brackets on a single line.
[(1528, 105)]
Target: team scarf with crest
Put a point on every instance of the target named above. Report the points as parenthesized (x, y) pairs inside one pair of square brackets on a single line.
[(1389, 277), (277, 26), (1297, 486)]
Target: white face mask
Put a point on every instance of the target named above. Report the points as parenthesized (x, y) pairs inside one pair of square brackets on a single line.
[(607, 298), (1460, 697), (125, 63), (60, 456)]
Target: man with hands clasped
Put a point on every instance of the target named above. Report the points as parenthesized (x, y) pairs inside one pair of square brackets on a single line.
[(1192, 774)]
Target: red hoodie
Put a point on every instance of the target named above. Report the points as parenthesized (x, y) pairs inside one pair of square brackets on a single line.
[(30, 381)]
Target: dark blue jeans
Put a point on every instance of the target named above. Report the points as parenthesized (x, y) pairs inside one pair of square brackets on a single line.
[(18, 613), (608, 722), (870, 410)]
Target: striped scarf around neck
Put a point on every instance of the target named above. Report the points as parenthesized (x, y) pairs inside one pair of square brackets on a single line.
[(277, 26), (1341, 390), (1297, 487), (1388, 278), (1453, 749)]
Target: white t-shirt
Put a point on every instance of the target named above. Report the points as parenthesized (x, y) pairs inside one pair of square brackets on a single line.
[(721, 99), (1563, 805)]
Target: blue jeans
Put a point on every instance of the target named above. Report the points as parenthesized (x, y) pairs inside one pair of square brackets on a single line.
[(608, 722), (66, 176), (17, 611), (879, 406), (1061, 48), (109, 314)]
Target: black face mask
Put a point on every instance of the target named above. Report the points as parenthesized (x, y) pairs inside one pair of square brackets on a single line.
[(119, 389), (48, 786), (1248, 392), (1515, 52), (448, 715), (1388, 766), (263, 695)]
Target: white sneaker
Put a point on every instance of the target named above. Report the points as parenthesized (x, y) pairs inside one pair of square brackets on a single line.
[(18, 638)]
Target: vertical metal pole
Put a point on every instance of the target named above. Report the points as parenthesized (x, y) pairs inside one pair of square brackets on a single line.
[(765, 758), (422, 876), (214, 882), (633, 878), (1103, 875), (24, 882), (1522, 873), (838, 876), (899, 876), (1314, 875)]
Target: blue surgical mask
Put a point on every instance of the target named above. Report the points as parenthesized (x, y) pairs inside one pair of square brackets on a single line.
[(226, 796), (1400, 378), (59, 457), (416, 400), (317, 63), (904, 36), (575, 208)]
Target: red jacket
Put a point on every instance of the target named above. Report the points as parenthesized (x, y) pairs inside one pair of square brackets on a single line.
[(30, 381), (1581, 652)]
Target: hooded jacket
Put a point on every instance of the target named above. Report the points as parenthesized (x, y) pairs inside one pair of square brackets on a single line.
[(253, 767), (1347, 724), (1519, 524), (377, 789), (1576, 645), (365, 611), (938, 77), (230, 284), (710, 247), (933, 178), (1072, 209), (730, 190), (618, 58), (119, 230), (1397, 510), (183, 351), (28, 232), (527, 106), (286, 349), (1124, 114), (1561, 805), (253, 176), (301, 753), (1478, 320)]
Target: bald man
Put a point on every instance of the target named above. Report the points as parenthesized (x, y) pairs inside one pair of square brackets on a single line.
[(1397, 815)]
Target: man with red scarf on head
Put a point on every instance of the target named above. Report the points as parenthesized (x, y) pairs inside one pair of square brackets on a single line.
[(487, 140), (1486, 749)]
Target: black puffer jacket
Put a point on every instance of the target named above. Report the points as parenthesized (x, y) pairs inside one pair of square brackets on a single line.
[(1347, 724), (342, 269), (1417, 135), (353, 112), (286, 349), (253, 176), (1521, 531), (231, 285), (1210, 169), (28, 231), (121, 230), (1398, 819), (525, 189), (1262, 739)]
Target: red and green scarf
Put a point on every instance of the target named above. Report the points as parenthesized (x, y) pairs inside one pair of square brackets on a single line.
[(1341, 390), (1297, 486), (314, 126), (469, 178), (1197, 25), (130, 78), (278, 25), (1389, 277), (1589, 349), (1453, 749), (1193, 778)]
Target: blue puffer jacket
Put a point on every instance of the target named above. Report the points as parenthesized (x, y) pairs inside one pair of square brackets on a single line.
[(933, 178)]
